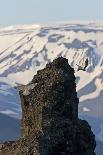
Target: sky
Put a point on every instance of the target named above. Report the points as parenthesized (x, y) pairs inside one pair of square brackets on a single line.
[(15, 12)]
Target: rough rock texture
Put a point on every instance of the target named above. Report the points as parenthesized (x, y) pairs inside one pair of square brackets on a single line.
[(50, 124)]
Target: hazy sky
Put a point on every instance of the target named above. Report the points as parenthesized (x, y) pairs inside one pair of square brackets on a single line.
[(43, 11)]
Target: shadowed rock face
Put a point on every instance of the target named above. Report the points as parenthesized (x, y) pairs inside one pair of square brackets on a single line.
[(50, 124)]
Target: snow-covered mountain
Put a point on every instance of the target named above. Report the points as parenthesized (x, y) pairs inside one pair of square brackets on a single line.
[(28, 48)]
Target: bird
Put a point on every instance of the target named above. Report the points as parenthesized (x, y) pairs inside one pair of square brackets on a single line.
[(83, 68)]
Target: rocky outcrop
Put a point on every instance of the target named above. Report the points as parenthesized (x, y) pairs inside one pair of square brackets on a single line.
[(50, 124)]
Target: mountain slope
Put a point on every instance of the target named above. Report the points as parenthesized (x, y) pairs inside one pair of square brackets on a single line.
[(26, 49)]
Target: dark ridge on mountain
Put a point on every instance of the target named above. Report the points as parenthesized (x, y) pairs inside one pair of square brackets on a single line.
[(50, 123)]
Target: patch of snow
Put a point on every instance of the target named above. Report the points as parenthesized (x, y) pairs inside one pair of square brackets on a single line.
[(8, 112), (22, 77), (85, 109)]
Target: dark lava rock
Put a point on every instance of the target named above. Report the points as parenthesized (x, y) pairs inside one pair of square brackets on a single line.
[(50, 124)]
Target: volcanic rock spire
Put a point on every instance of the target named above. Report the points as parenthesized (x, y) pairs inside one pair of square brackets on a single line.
[(50, 124)]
